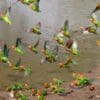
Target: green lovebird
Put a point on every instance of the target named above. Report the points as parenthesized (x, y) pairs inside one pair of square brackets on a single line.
[(22, 68), (4, 55), (50, 55), (59, 38), (18, 46), (17, 65), (5, 16), (27, 2), (34, 48), (65, 30), (36, 29), (66, 64), (35, 6), (91, 29), (94, 20)]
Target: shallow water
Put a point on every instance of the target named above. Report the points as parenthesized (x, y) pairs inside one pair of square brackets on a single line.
[(53, 14)]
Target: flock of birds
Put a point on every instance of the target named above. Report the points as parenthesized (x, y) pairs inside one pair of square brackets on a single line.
[(63, 39)]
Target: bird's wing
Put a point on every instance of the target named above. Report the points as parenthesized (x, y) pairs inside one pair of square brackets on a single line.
[(18, 42), (5, 51), (36, 44), (66, 25), (46, 46), (18, 63)]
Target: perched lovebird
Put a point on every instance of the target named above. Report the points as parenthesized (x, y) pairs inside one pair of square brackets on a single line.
[(89, 29), (94, 20), (59, 38), (18, 46), (22, 68), (36, 29), (97, 8), (50, 55), (34, 48), (4, 55), (35, 5), (65, 29), (5, 16), (66, 64)]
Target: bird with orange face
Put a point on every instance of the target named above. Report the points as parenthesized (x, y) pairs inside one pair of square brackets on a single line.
[(59, 38), (33, 48), (18, 46), (35, 29), (65, 29), (67, 63), (22, 68), (50, 55), (35, 5)]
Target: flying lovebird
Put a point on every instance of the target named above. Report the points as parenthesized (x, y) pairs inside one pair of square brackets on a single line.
[(63, 33), (17, 66), (4, 55), (59, 38), (65, 29), (34, 47), (89, 29), (18, 46), (97, 8), (36, 29), (94, 20), (35, 5), (50, 55), (5, 16), (22, 68), (66, 64), (27, 2)]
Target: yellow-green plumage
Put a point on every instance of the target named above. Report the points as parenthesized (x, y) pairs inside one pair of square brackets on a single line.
[(5, 18)]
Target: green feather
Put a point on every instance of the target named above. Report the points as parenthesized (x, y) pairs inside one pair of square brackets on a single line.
[(16, 67), (6, 18), (35, 5), (18, 50)]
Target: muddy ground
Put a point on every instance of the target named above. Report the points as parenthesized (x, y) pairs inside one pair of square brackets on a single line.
[(76, 94)]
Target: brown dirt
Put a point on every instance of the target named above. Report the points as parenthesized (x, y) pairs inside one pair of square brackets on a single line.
[(77, 94)]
